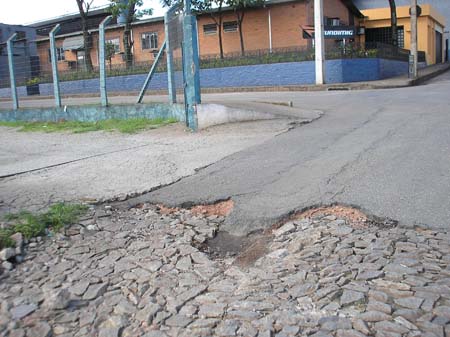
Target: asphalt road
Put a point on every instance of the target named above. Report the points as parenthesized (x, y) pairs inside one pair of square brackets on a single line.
[(385, 151)]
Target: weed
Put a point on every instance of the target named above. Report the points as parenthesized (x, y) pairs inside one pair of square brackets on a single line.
[(5, 238), (31, 225), (132, 125), (61, 215)]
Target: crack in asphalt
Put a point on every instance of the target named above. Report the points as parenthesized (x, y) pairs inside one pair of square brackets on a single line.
[(141, 197), (11, 175)]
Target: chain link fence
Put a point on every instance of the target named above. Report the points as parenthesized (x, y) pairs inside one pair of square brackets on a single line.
[(77, 60)]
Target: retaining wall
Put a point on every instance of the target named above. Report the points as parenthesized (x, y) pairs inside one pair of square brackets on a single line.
[(276, 74), (94, 113)]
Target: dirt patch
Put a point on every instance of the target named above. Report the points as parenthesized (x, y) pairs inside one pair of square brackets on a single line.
[(221, 208), (167, 210), (246, 249), (352, 215), (258, 247)]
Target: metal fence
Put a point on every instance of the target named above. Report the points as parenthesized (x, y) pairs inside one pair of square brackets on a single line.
[(74, 57)]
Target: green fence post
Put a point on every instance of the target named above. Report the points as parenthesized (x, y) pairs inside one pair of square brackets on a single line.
[(101, 60), (12, 77), (151, 73), (55, 65), (171, 88), (191, 67)]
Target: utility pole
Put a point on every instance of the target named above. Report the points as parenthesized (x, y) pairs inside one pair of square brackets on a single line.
[(413, 59), (319, 41)]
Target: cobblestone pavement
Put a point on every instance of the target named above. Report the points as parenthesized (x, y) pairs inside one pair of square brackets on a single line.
[(143, 272)]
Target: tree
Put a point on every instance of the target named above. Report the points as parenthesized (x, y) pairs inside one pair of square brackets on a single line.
[(214, 7), (394, 29), (83, 7), (215, 10), (110, 51), (240, 7), (129, 8)]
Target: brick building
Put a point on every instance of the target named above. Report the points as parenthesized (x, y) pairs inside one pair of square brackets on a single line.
[(277, 24)]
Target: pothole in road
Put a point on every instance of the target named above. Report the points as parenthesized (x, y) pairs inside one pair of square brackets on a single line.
[(248, 249)]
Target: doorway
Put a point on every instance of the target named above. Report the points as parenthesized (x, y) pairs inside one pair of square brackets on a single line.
[(439, 46)]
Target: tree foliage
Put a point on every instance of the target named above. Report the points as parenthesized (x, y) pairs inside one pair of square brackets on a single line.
[(132, 11), (131, 7), (110, 51), (215, 8)]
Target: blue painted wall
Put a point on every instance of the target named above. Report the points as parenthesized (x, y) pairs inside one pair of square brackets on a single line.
[(391, 68), (277, 74)]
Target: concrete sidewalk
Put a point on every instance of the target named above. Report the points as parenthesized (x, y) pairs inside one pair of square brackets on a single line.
[(38, 169)]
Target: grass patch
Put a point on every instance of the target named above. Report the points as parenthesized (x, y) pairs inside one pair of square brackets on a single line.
[(31, 225), (132, 125)]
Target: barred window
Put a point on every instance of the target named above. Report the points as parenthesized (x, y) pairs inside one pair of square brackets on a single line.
[(60, 55), (210, 29), (230, 26), (149, 40), (332, 22), (384, 35), (115, 42)]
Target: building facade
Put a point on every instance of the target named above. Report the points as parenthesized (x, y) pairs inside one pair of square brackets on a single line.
[(278, 24), (25, 53), (442, 7)]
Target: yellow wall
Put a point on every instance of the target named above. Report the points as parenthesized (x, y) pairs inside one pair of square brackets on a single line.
[(426, 26)]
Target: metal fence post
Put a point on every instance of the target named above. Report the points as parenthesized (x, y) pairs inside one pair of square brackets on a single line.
[(12, 77), (101, 60), (169, 55), (191, 67), (151, 73), (54, 60)]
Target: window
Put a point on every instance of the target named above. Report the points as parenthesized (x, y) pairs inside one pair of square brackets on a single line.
[(60, 55), (332, 22), (149, 40), (20, 35), (210, 29), (115, 42), (384, 35), (230, 26)]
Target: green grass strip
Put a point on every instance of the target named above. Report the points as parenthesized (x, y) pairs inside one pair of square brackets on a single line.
[(31, 225), (129, 126)]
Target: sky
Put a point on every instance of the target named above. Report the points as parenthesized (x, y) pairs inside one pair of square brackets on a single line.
[(22, 12)]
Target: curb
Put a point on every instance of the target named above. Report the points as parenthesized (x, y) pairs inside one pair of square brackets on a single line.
[(431, 75)]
